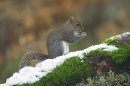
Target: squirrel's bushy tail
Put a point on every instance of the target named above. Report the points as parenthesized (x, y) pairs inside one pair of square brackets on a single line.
[(32, 55)]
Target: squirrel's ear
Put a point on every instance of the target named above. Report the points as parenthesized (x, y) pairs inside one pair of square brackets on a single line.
[(71, 19)]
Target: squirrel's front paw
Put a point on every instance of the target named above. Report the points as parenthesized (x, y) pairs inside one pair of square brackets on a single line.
[(83, 33)]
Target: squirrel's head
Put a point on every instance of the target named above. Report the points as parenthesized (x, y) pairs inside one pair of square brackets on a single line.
[(77, 26)]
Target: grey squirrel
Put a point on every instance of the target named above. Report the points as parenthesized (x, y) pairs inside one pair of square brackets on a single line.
[(57, 42)]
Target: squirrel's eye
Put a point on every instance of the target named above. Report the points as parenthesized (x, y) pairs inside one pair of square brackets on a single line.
[(77, 25)]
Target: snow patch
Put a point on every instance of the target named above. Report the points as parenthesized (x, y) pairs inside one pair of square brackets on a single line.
[(125, 35), (121, 36)]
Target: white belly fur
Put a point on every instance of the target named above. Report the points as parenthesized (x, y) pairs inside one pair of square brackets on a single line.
[(65, 47)]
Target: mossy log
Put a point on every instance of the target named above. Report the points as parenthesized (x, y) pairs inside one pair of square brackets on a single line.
[(117, 61), (94, 63)]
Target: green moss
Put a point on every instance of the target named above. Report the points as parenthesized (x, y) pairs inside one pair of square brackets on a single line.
[(120, 57), (111, 41), (94, 53), (72, 71)]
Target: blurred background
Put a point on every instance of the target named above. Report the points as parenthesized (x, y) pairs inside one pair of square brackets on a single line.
[(25, 24)]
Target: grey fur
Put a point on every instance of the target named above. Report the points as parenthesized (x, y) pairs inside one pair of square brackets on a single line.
[(66, 33), (32, 55)]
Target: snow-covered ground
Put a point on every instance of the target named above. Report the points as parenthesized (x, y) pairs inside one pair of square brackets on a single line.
[(33, 74)]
